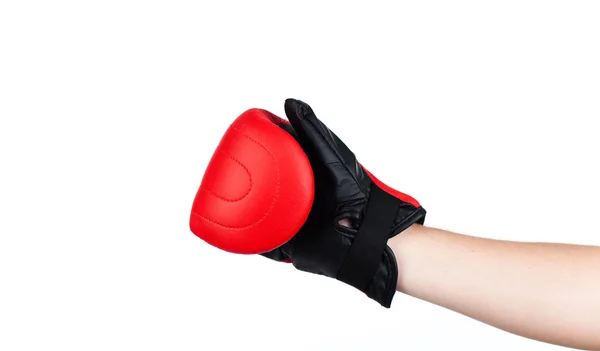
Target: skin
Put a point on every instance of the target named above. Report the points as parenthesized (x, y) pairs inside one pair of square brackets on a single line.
[(546, 292)]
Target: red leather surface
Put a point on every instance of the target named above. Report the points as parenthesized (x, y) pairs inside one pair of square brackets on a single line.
[(257, 190)]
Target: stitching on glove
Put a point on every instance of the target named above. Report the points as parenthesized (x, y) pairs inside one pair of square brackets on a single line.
[(274, 196), (239, 198)]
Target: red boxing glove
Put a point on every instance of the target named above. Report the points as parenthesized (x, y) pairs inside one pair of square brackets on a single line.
[(257, 190), (257, 197)]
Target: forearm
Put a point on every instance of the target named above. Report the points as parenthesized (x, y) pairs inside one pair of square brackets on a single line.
[(548, 292)]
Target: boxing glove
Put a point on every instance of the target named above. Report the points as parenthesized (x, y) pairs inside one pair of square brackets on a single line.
[(342, 189)]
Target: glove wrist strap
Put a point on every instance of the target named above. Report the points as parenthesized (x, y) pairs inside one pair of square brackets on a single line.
[(365, 254)]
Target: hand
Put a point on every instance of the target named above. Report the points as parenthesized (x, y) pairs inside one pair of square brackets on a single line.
[(345, 191)]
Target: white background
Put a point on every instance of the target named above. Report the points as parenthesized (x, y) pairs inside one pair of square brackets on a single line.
[(110, 111)]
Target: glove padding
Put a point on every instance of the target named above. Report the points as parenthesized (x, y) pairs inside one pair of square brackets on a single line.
[(358, 256), (257, 190)]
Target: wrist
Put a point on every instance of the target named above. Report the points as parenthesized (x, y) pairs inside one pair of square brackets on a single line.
[(399, 241), (401, 246)]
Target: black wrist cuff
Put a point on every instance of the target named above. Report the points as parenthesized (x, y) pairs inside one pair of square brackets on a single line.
[(363, 263)]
